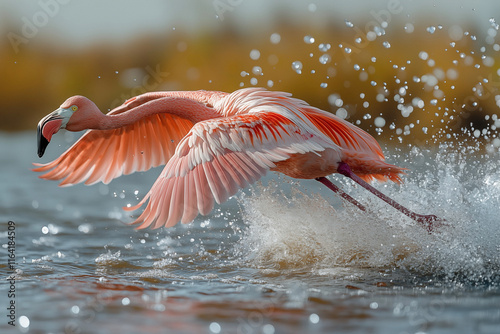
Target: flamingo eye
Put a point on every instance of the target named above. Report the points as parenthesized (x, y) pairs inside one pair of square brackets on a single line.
[(74, 108)]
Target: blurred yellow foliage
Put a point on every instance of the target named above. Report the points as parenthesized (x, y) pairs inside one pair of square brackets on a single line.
[(419, 82)]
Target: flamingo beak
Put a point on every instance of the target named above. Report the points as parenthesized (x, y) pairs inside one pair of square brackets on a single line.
[(47, 126)]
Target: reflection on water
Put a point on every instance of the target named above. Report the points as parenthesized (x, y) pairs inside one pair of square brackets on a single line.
[(283, 257)]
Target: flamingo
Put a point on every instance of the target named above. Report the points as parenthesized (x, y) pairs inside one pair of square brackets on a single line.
[(213, 144)]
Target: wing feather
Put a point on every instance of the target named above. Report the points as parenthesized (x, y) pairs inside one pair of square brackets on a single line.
[(102, 155), (217, 158), (344, 134)]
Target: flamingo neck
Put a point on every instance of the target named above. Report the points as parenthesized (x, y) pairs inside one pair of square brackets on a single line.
[(179, 106)]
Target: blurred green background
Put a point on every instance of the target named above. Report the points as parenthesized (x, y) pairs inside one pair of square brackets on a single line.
[(421, 69)]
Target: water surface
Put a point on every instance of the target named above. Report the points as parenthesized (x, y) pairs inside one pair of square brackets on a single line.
[(282, 257)]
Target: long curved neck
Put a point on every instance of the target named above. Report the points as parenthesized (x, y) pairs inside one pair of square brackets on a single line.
[(180, 106)]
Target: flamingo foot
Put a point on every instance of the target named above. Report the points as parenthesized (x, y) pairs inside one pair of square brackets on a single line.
[(429, 222)]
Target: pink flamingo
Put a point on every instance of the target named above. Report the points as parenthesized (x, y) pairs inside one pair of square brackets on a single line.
[(213, 144)]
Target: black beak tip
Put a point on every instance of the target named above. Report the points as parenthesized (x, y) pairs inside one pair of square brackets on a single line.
[(42, 142)]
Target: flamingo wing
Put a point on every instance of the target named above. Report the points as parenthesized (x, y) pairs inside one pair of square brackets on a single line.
[(217, 158), (102, 155), (360, 150), (344, 134)]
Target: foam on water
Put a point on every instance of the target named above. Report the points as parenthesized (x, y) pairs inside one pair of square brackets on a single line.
[(305, 229)]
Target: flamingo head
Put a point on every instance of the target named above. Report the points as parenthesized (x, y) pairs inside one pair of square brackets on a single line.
[(73, 115)]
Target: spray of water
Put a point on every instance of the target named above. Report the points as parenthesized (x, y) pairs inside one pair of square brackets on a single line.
[(292, 229)]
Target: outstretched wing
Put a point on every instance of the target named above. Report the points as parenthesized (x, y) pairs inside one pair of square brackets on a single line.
[(360, 150), (217, 158), (344, 134), (102, 155)]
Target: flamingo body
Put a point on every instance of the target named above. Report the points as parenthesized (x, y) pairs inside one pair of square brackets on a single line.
[(212, 145)]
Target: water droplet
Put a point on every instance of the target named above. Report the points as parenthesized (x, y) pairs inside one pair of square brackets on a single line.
[(358, 40), (24, 321), (493, 23), (349, 23), (324, 47), (297, 66), (314, 318), (409, 28), (341, 112), (373, 83), (356, 67), (275, 38), (244, 73), (378, 31), (254, 54), (215, 327), (334, 99), (308, 39), (324, 59), (323, 85), (257, 70), (418, 102), (347, 50), (406, 110), (386, 44), (431, 29), (379, 122)]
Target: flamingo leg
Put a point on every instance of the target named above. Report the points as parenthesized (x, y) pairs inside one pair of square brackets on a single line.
[(340, 192), (426, 220)]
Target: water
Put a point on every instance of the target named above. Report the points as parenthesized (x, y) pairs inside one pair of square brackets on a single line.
[(282, 257)]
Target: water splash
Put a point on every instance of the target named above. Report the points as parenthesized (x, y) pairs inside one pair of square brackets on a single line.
[(300, 228)]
